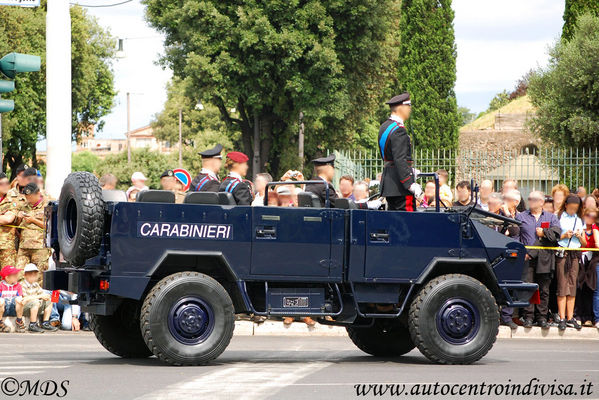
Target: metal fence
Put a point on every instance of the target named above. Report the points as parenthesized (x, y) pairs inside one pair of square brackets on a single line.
[(534, 169)]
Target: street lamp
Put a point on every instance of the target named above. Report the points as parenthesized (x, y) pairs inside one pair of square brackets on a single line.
[(199, 106)]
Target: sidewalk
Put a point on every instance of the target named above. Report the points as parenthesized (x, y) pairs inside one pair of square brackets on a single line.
[(274, 328)]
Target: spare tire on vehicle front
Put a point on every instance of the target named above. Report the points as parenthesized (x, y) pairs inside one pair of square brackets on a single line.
[(80, 217)]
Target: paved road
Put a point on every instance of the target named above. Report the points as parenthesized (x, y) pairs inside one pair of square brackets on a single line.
[(259, 367)]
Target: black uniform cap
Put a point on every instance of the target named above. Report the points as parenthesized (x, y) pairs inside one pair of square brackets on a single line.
[(325, 160), (213, 152), (30, 172), (21, 168), (168, 172), (31, 188), (403, 98)]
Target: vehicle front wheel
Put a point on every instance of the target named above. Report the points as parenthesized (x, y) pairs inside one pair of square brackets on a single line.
[(454, 319), (187, 319), (383, 339)]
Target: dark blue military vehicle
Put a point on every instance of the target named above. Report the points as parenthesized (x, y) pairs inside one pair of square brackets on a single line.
[(167, 279)]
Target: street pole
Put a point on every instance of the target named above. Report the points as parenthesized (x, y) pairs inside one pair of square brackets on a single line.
[(300, 141), (58, 94), (180, 141), (128, 128)]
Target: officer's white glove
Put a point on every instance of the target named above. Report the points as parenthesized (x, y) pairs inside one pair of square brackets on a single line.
[(416, 172), (416, 189), (375, 204)]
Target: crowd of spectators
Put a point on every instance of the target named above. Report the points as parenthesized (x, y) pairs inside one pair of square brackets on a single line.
[(24, 258), (562, 220)]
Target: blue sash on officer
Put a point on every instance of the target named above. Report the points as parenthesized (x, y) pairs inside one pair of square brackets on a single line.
[(232, 185), (383, 140), (204, 181)]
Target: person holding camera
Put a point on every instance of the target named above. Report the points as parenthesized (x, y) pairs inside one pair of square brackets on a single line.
[(567, 262)]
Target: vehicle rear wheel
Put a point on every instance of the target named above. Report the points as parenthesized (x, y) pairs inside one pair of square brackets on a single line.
[(119, 333), (454, 319), (383, 339), (187, 319)]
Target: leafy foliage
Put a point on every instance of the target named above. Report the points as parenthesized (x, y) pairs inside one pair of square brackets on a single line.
[(201, 128), (566, 93), (466, 115), (23, 30), (84, 161), (151, 163), (330, 59), (427, 69), (573, 9), (500, 100)]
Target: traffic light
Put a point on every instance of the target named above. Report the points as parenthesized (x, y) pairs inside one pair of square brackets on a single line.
[(10, 65)]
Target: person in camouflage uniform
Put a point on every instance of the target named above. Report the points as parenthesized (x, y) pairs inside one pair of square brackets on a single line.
[(31, 243), (168, 181), (8, 214)]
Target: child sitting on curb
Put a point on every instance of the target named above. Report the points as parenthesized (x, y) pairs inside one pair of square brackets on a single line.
[(36, 300), (11, 293)]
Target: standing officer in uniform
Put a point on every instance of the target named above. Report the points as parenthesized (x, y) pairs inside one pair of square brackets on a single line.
[(237, 164), (8, 215), (397, 182), (324, 169), (15, 194), (168, 181), (31, 244), (207, 179)]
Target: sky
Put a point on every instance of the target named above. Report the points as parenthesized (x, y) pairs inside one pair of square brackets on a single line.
[(497, 42)]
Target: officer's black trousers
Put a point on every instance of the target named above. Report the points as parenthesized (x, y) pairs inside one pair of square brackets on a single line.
[(543, 280), (401, 203)]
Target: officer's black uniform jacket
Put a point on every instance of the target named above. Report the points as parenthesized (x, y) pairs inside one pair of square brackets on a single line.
[(396, 149), (239, 189), (320, 191), (205, 183)]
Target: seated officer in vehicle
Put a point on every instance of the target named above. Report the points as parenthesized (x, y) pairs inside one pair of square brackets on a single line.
[(169, 182), (237, 165), (207, 179), (324, 169)]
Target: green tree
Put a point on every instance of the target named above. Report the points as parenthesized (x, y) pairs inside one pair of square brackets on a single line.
[(566, 93), (84, 161), (466, 115), (330, 59), (151, 163), (573, 9), (500, 100), (427, 69), (23, 30), (201, 127)]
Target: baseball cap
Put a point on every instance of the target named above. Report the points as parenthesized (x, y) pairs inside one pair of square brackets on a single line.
[(30, 267), (30, 172), (8, 270), (138, 176)]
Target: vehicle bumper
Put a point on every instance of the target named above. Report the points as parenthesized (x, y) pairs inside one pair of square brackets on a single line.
[(519, 294)]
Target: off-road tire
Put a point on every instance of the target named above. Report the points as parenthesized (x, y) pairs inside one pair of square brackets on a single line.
[(119, 333), (80, 217), (159, 303), (423, 320), (382, 339)]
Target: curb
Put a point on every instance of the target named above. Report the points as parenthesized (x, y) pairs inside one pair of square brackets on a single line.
[(276, 328)]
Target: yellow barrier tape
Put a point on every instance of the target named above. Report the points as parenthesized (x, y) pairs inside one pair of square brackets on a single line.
[(561, 248)]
